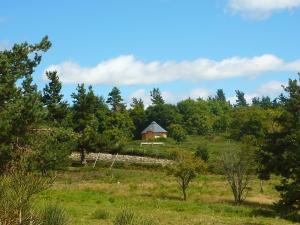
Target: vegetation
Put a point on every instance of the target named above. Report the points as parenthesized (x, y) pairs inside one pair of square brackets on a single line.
[(39, 131), (53, 215), (237, 165), (281, 151), (185, 169)]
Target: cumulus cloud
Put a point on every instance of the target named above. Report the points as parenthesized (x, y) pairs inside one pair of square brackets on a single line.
[(127, 70), (261, 9)]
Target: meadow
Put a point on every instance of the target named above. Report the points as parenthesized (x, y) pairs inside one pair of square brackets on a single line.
[(95, 196)]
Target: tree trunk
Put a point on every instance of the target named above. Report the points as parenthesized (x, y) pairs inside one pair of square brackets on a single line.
[(261, 186), (184, 194), (82, 157)]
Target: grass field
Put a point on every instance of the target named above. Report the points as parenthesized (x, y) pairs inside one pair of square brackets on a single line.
[(93, 196)]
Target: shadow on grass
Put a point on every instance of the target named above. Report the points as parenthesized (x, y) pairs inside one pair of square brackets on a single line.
[(249, 204), (272, 213), (265, 210), (162, 196)]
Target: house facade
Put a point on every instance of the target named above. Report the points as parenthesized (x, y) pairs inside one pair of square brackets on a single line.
[(154, 131)]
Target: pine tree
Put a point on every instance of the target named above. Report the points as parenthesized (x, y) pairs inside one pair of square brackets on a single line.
[(138, 116), (85, 122), (156, 97), (220, 95), (241, 101), (53, 99), (281, 152), (21, 110), (115, 100)]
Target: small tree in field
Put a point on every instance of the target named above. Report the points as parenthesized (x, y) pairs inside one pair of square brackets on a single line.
[(238, 165), (18, 189), (185, 168)]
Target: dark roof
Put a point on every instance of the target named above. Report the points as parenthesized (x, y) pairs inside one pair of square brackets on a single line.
[(155, 128)]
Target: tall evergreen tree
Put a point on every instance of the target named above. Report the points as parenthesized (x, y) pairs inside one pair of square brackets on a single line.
[(53, 99), (20, 106), (220, 95), (138, 116), (115, 100), (156, 97), (241, 101), (281, 152), (85, 121)]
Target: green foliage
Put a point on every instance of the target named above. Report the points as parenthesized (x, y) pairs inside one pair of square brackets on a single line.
[(202, 153), (85, 111), (177, 132), (195, 116), (17, 192), (114, 139), (125, 217), (53, 99), (156, 97), (238, 165), (249, 121), (220, 95), (185, 169), (163, 114), (52, 149), (53, 215), (21, 108), (240, 101), (138, 116), (128, 217), (115, 100), (264, 102), (281, 152)]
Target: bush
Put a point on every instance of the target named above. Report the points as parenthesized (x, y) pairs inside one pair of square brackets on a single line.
[(125, 217), (53, 215), (177, 132), (202, 153), (100, 214), (17, 192)]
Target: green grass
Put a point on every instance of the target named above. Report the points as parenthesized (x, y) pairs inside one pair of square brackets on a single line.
[(93, 197), (214, 144)]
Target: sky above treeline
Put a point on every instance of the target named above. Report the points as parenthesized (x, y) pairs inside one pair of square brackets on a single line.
[(186, 48)]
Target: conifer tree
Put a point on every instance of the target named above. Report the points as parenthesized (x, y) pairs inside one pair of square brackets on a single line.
[(281, 152), (53, 99)]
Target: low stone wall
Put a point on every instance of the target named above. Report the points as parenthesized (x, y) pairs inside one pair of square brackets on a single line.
[(122, 158)]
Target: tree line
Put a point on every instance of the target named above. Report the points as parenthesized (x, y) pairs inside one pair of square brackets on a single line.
[(40, 129)]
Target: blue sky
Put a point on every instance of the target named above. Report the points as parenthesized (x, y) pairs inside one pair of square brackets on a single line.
[(186, 48)]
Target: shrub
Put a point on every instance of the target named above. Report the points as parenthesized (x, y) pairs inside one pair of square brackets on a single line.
[(177, 132), (202, 153), (125, 217), (17, 192), (53, 215), (100, 214)]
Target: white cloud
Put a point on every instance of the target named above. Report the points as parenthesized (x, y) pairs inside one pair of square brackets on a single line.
[(271, 89), (261, 9), (127, 70)]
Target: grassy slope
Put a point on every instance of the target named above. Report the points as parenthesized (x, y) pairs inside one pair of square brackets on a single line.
[(150, 193)]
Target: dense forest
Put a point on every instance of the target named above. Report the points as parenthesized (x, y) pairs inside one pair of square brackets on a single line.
[(39, 130)]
